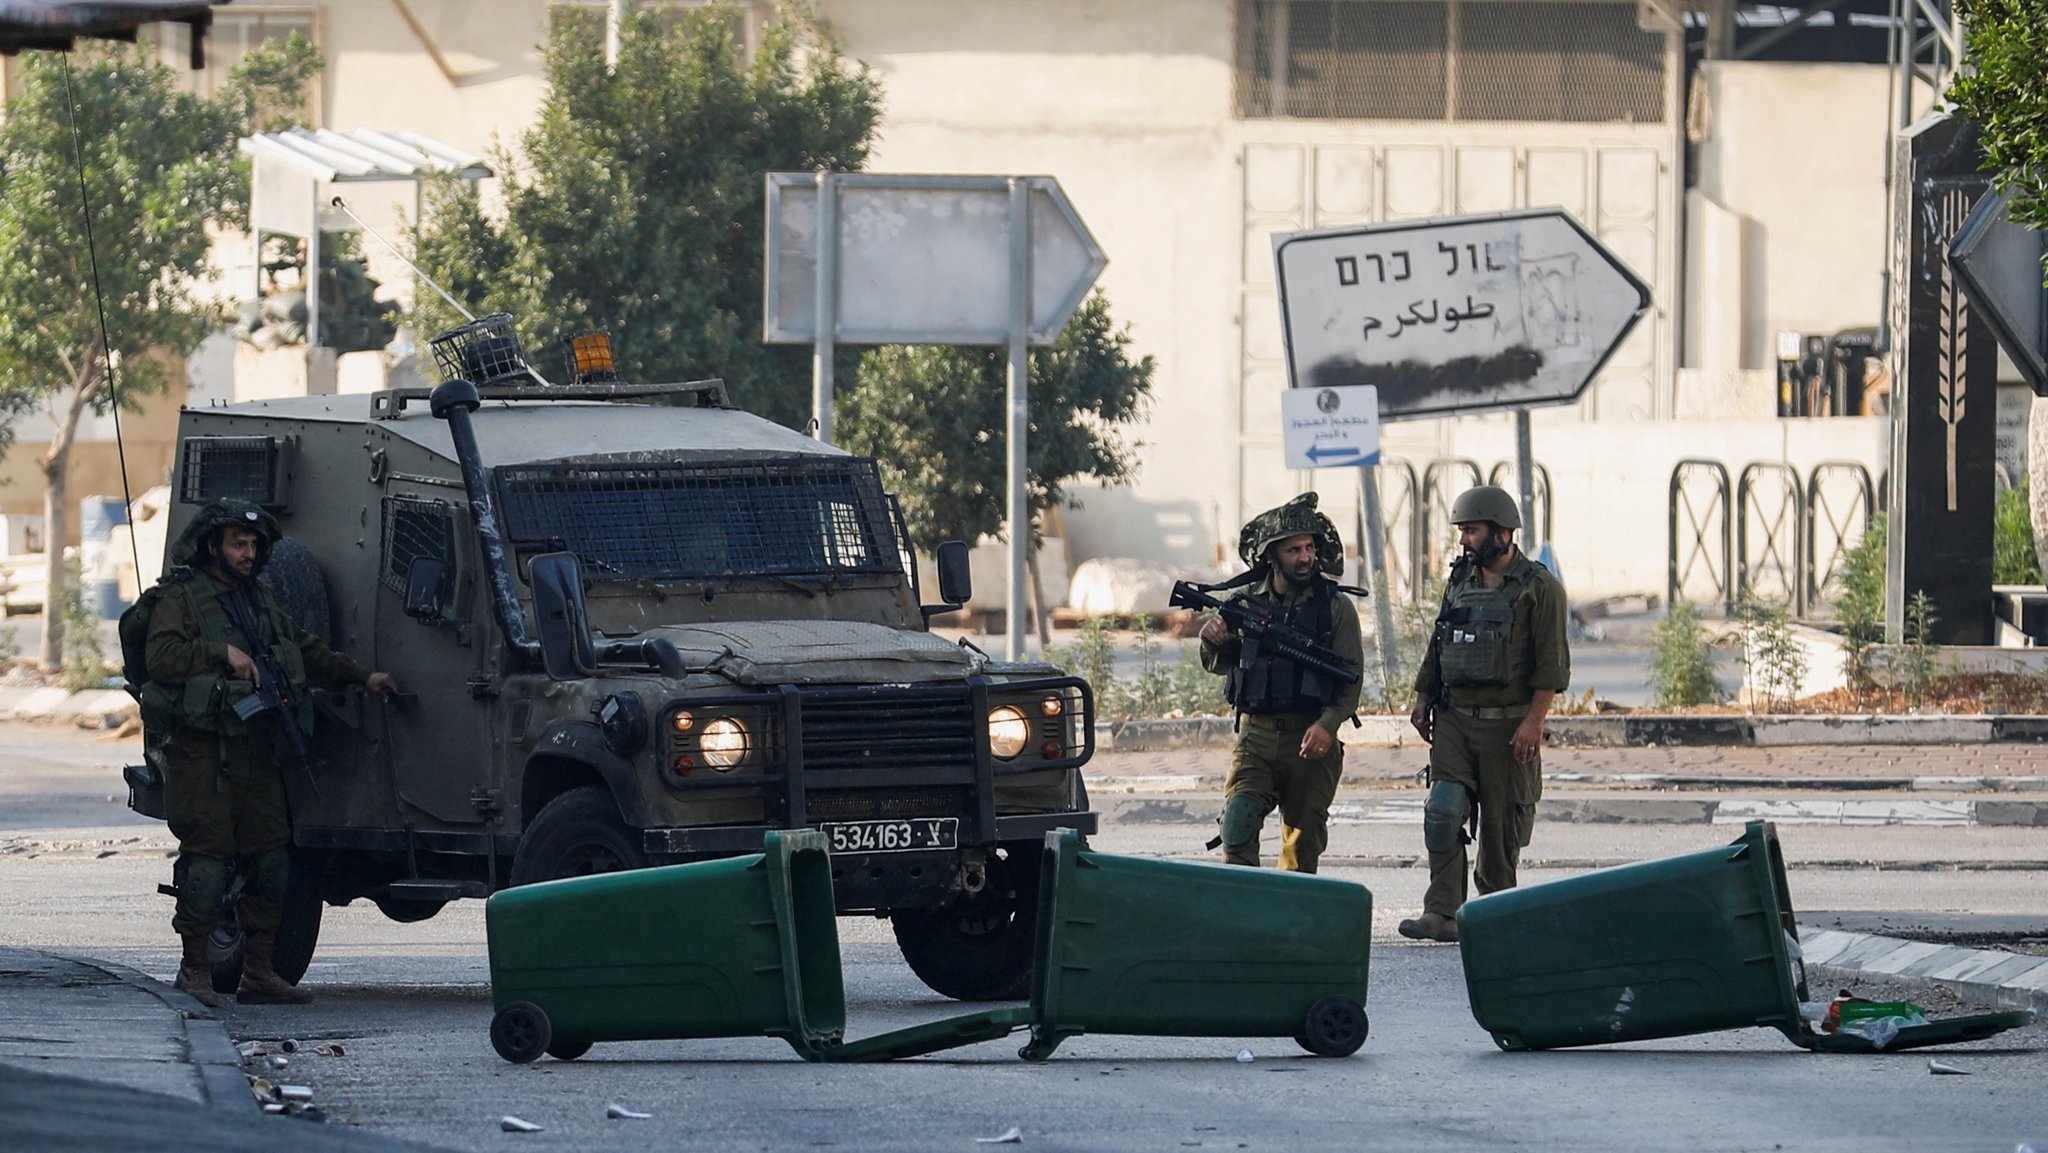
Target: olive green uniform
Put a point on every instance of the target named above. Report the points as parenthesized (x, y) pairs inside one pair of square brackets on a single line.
[(1267, 770), (224, 796), (1488, 671)]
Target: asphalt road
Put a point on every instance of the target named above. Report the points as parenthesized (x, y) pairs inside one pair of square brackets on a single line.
[(410, 1006)]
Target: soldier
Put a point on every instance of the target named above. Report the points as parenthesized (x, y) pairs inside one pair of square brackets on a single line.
[(223, 789), (1288, 755), (1497, 657)]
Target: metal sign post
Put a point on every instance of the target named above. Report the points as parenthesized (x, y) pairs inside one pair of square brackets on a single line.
[(871, 258)]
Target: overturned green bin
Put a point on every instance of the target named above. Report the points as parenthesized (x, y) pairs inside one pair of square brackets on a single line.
[(742, 947), (1134, 945), (1695, 943)]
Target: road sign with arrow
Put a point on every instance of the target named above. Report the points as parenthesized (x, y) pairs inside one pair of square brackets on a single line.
[(1331, 427), (1456, 314)]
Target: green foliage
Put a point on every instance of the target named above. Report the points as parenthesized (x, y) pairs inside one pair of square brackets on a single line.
[(2013, 558), (1913, 662), (1092, 657), (1682, 667), (1394, 688), (1859, 603), (159, 164), (85, 664), (935, 416), (637, 202), (2005, 91), (1777, 665), (1179, 687)]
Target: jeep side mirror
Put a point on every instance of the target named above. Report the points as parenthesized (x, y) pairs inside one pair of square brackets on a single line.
[(956, 583), (566, 650), (426, 586)]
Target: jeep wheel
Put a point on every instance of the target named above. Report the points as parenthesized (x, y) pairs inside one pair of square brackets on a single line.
[(975, 948), (576, 835)]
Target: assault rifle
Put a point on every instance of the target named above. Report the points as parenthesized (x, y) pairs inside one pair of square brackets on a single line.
[(274, 690), (1262, 630)]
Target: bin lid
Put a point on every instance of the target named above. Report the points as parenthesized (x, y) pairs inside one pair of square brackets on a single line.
[(951, 1033), (1947, 1031)]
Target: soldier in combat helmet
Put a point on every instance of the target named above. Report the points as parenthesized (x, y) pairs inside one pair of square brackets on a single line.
[(224, 791), (1287, 755), (1497, 657)]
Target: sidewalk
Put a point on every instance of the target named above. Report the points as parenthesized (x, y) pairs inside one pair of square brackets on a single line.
[(96, 1056)]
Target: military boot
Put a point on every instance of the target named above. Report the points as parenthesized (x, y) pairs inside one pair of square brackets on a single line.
[(195, 971), (260, 983), (1430, 927)]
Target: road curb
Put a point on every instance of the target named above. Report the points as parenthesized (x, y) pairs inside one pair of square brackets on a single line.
[(1634, 730), (1990, 976), (1199, 807), (207, 1046), (92, 709)]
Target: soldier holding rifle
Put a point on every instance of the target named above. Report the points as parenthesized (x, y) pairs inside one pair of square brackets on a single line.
[(1288, 645)]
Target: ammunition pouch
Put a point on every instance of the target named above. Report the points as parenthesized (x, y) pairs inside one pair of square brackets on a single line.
[(1475, 646)]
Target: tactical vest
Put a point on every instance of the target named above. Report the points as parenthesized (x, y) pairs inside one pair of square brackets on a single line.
[(206, 702), (1271, 683), (1476, 629)]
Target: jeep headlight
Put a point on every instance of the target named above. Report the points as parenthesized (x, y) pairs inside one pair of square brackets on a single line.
[(1008, 731), (725, 743)]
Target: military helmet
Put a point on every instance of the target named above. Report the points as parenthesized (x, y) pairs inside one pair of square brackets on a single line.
[(1486, 503), (191, 547), (1295, 518)]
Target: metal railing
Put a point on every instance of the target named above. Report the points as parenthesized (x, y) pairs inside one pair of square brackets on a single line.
[(1701, 492)]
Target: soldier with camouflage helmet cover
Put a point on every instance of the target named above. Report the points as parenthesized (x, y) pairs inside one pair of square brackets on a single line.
[(1497, 657), (224, 793), (1287, 755)]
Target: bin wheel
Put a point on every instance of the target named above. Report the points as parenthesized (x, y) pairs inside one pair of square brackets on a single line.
[(568, 1050), (1336, 1027), (520, 1032)]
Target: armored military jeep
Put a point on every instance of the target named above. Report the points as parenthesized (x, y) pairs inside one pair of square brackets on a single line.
[(635, 626)]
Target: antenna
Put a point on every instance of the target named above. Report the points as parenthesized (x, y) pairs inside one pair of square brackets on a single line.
[(338, 202)]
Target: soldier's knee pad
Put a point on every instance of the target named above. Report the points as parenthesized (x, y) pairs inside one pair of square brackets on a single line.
[(1243, 815), (202, 881), (269, 871), (1443, 817)]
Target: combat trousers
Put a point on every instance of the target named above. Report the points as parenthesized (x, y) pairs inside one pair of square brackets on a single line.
[(1477, 753), (1267, 772), (225, 801)]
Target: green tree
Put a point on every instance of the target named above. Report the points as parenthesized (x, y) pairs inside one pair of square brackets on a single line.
[(934, 415), (2004, 90), (105, 139), (636, 204)]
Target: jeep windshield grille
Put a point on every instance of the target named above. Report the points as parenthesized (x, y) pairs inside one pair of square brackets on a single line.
[(782, 517)]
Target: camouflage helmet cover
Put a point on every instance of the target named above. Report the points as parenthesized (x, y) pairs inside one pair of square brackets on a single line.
[(1486, 502), (191, 547), (1295, 518)]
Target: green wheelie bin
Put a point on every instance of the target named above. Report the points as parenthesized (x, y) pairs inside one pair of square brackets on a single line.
[(1179, 949), (734, 948), (1689, 944)]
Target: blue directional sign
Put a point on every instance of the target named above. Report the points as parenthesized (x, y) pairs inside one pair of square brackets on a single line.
[(1331, 427)]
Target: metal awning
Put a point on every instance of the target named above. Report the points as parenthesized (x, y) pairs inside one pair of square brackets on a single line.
[(292, 185)]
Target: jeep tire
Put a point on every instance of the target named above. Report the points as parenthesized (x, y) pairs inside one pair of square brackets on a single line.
[(978, 948), (577, 834)]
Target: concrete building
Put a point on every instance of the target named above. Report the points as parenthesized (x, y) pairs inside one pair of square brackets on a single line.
[(1750, 195)]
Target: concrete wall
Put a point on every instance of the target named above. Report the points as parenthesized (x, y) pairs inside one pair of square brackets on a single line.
[(1791, 232)]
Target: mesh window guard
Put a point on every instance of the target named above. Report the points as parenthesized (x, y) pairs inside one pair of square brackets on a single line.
[(801, 516), (242, 467), (415, 528)]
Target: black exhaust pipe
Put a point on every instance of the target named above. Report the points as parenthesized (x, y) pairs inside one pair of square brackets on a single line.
[(453, 402)]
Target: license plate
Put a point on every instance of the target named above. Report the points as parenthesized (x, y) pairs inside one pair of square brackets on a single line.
[(893, 836)]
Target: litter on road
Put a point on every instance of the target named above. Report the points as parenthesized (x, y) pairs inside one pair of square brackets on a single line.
[(1938, 1066), (1010, 1136), (618, 1112), (511, 1124)]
